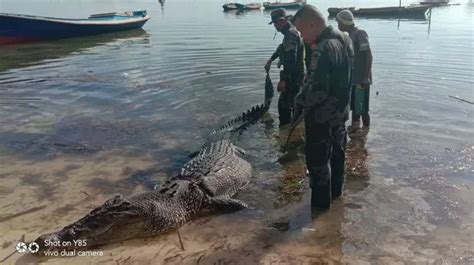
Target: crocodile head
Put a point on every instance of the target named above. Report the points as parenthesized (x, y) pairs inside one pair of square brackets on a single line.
[(117, 219)]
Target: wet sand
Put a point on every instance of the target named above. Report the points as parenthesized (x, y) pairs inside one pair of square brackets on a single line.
[(390, 213)]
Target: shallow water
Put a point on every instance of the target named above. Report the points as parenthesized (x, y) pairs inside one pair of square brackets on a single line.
[(83, 119)]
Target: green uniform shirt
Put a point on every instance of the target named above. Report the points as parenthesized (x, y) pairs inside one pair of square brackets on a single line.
[(326, 90), (291, 53), (362, 70)]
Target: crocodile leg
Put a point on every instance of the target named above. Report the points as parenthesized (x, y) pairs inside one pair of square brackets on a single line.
[(227, 204)]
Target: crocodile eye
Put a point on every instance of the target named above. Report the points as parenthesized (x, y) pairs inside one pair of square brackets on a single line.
[(117, 199)]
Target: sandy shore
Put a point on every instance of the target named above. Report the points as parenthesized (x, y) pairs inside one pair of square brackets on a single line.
[(391, 212)]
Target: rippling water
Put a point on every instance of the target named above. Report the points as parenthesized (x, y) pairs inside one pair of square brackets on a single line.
[(81, 116)]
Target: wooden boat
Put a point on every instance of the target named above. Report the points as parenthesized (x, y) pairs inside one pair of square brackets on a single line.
[(15, 28), (289, 5), (241, 7), (412, 11), (232, 6), (253, 6), (435, 2)]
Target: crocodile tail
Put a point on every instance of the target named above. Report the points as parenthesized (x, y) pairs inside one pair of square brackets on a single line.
[(240, 124), (244, 120)]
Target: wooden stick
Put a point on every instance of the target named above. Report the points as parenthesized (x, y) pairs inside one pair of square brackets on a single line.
[(298, 120), (22, 239), (31, 210), (461, 99), (200, 258), (7, 257), (180, 241)]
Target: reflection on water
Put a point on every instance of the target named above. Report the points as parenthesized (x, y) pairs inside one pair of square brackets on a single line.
[(16, 56), (357, 169), (162, 4), (83, 119)]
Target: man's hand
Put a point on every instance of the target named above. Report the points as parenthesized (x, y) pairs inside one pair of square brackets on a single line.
[(281, 86), (268, 65)]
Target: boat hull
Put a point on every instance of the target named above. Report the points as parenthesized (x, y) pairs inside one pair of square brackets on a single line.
[(271, 6), (435, 3), (20, 29), (230, 7), (241, 7), (384, 12)]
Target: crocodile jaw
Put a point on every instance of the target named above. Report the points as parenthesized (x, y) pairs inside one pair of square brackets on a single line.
[(116, 220)]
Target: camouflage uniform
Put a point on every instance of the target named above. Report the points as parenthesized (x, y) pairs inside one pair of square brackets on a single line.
[(291, 53), (325, 95)]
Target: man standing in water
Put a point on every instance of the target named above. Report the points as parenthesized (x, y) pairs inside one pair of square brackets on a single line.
[(362, 70), (291, 54), (325, 97)]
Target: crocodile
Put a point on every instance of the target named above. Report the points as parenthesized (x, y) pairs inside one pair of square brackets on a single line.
[(206, 183)]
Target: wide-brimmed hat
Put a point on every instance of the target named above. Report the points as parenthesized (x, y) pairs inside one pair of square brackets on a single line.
[(278, 14)]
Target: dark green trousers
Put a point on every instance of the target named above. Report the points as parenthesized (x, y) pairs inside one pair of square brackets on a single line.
[(286, 103), (325, 160)]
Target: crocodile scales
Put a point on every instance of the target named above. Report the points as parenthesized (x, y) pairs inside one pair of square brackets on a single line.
[(207, 182)]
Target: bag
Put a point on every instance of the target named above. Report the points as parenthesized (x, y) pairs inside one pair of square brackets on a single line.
[(359, 100)]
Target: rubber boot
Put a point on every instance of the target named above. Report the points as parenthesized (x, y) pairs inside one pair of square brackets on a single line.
[(321, 196), (284, 115), (337, 188), (355, 121), (366, 120)]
